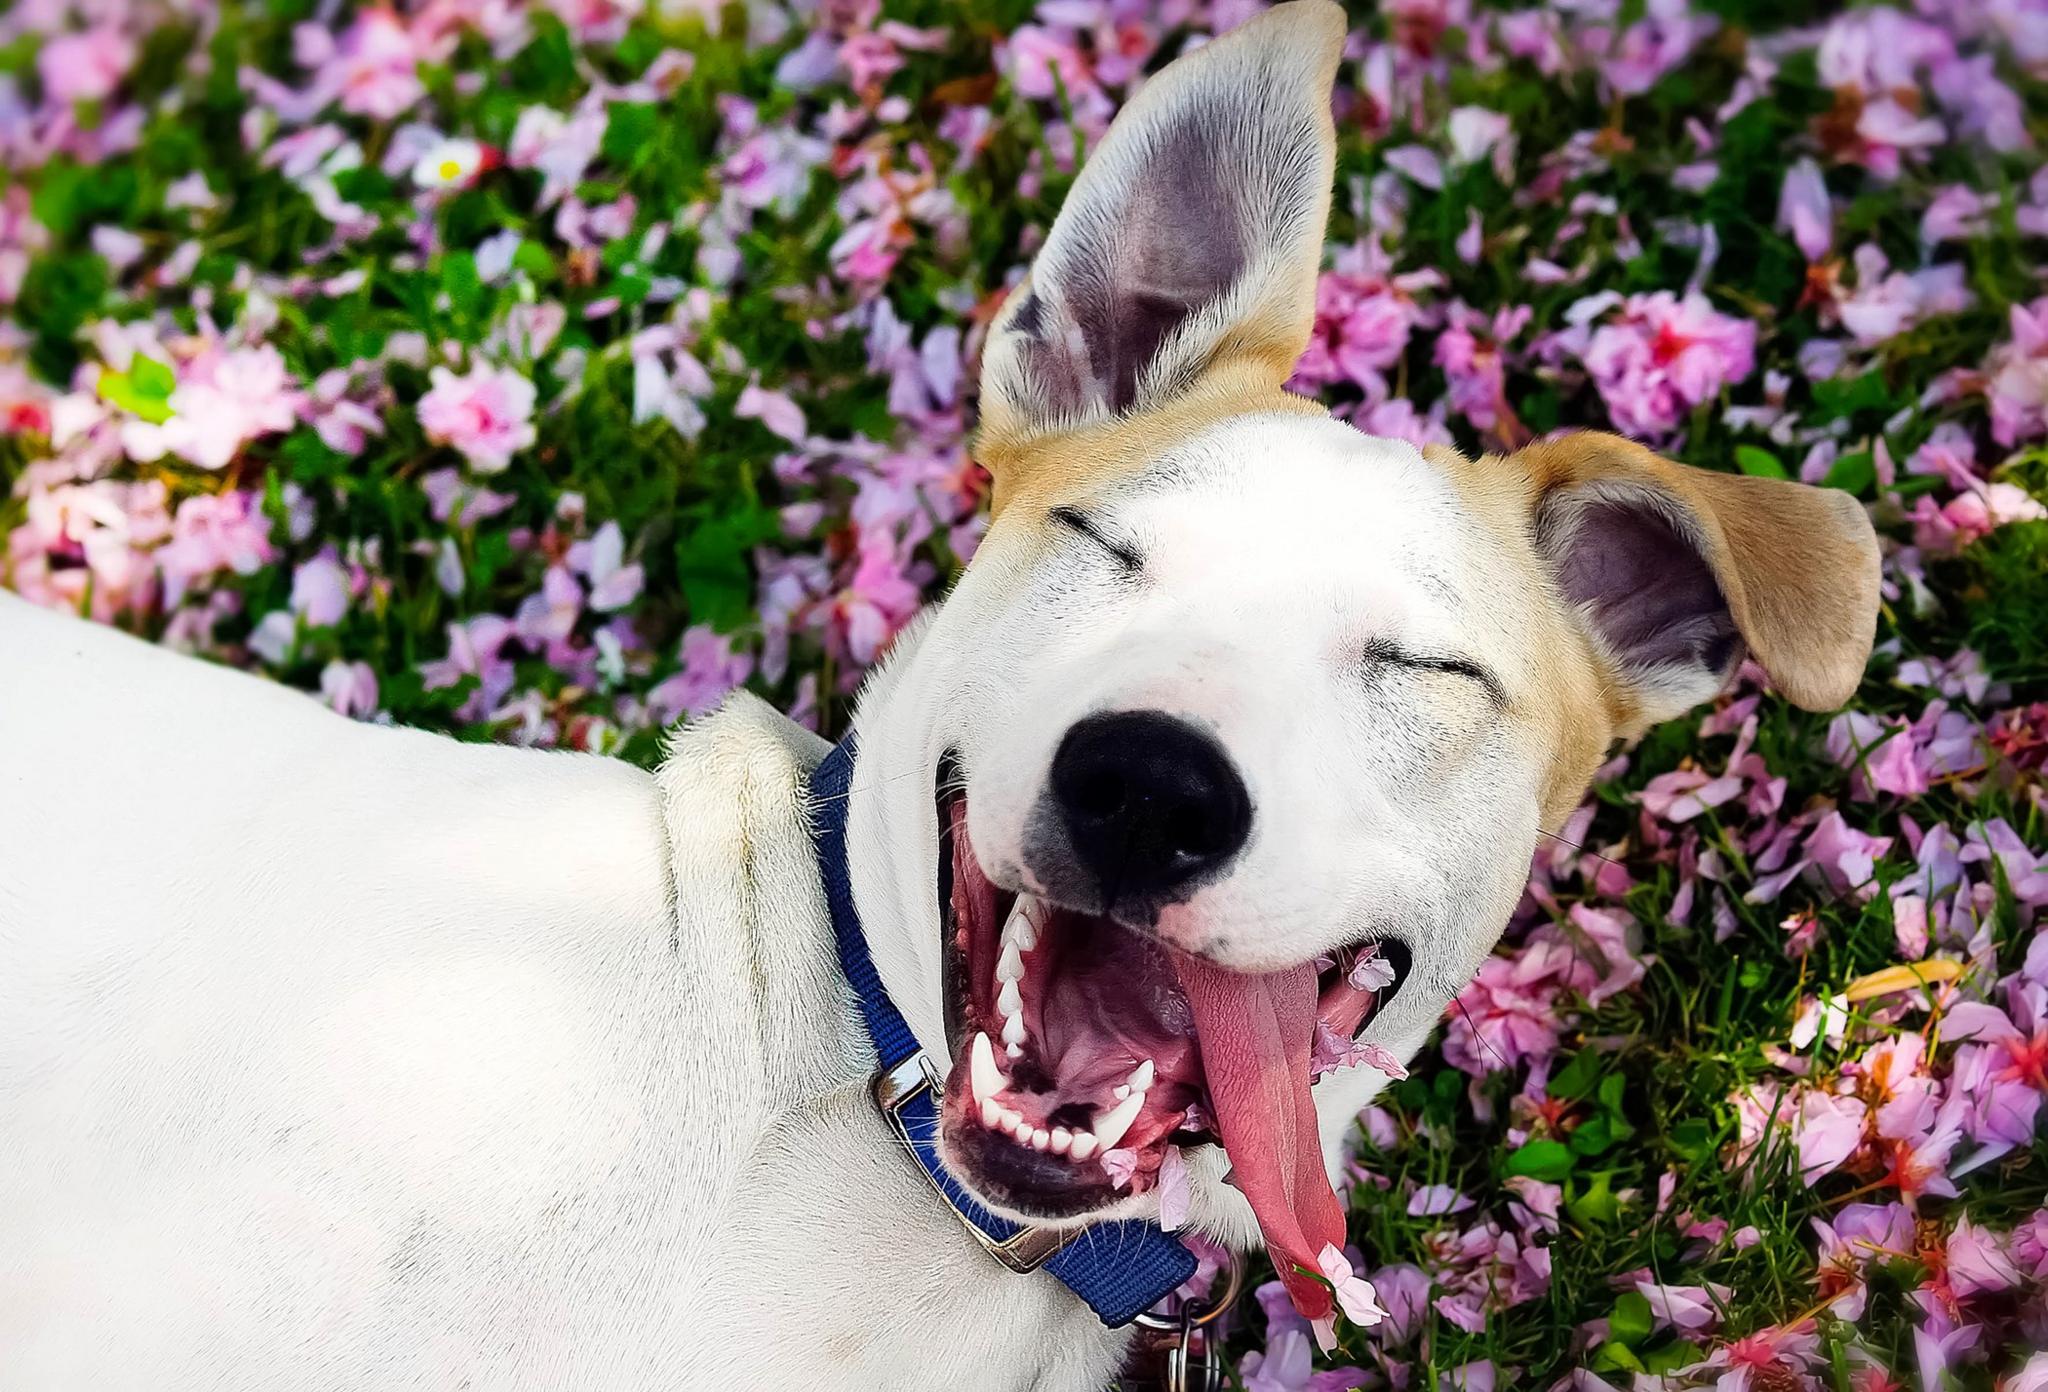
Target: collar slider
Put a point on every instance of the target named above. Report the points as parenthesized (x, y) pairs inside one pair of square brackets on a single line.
[(916, 1076)]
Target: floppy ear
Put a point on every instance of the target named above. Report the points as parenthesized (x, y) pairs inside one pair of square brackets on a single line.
[(1677, 571), (1193, 235)]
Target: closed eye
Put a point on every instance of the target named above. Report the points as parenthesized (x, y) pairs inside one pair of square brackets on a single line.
[(1079, 522), (1380, 650)]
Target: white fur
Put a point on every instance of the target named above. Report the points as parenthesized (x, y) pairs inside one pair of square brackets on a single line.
[(340, 1057)]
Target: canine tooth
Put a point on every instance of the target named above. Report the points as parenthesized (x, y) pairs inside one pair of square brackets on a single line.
[(991, 1114), (1040, 1138), (1010, 966), (1141, 1076), (1010, 1000), (1084, 1145), (1110, 1129), (988, 1080), (1061, 1140), (1013, 1030)]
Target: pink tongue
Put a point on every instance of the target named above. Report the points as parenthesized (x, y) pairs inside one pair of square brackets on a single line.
[(1255, 1033)]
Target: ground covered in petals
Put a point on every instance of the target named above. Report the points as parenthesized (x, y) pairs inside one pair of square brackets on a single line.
[(543, 371)]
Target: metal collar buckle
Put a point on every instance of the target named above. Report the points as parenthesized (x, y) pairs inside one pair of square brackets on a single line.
[(1029, 1248)]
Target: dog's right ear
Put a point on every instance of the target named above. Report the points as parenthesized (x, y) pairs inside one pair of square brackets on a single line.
[(1190, 243)]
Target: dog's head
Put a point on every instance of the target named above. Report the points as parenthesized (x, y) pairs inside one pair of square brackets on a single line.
[(1239, 731)]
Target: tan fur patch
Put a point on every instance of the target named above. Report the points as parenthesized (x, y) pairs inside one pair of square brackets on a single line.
[(1068, 465)]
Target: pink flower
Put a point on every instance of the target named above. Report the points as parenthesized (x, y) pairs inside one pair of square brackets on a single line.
[(222, 401), (1827, 1132), (373, 70), (1355, 1295), (85, 66), (1476, 133), (1688, 1309), (2019, 377), (320, 590), (1665, 356), (1805, 211), (710, 672), (1654, 45), (1363, 320), (474, 651), (486, 414), (213, 532), (1433, 1200), (349, 687), (1174, 1192), (773, 409), (614, 583)]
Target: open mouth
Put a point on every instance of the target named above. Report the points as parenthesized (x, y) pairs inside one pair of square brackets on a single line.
[(1084, 1049)]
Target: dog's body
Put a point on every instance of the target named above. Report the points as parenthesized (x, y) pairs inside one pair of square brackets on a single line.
[(335, 1056)]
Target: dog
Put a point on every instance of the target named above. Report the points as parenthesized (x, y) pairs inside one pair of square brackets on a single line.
[(338, 1056)]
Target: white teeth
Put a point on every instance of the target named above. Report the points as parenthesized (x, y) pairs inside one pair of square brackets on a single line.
[(1019, 930), (1014, 1050), (988, 1080), (1141, 1076), (991, 1113), (1110, 1129), (1123, 1090), (1084, 1145), (1013, 1031), (1010, 1000), (1061, 1139), (1010, 966), (1040, 1138)]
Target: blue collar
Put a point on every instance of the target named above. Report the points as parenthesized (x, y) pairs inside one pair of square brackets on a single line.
[(1120, 1269)]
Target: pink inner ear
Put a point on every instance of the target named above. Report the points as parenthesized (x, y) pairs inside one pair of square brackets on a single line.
[(1641, 581)]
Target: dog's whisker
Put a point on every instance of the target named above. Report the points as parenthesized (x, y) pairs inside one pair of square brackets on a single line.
[(1586, 850), (1473, 1025)]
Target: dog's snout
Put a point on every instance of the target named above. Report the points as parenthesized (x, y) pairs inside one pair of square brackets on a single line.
[(1150, 803)]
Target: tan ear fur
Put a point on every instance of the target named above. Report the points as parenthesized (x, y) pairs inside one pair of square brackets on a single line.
[(1257, 103), (1797, 565)]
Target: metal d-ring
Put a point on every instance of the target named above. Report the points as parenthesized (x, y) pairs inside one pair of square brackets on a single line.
[(1195, 1314)]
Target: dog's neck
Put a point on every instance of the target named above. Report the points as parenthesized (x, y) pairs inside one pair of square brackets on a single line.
[(825, 1212)]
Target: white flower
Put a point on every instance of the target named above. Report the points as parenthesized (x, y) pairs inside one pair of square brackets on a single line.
[(451, 163)]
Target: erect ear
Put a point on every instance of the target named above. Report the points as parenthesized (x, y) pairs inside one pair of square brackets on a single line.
[(1193, 235), (1676, 571)]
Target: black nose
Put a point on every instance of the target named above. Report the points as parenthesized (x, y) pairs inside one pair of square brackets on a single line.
[(1151, 804)]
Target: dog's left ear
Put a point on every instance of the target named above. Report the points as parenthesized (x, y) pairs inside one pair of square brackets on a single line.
[(1190, 243), (1676, 571)]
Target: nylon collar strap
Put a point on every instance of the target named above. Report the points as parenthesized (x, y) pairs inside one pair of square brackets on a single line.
[(1119, 1269)]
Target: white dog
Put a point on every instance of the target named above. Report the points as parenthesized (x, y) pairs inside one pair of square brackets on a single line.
[(339, 1057)]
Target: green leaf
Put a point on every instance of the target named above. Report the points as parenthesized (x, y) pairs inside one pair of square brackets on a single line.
[(1631, 1320), (1549, 1161), (1671, 1357), (151, 377), (1615, 1357), (120, 390), (1853, 473), (1759, 463), (629, 134), (1576, 1079), (1837, 397), (1593, 1136), (1597, 1206)]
